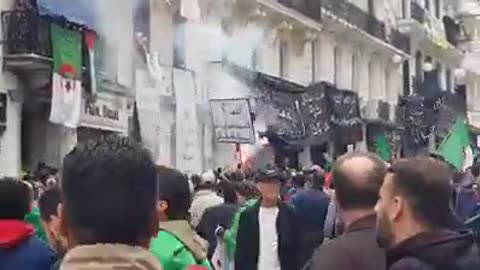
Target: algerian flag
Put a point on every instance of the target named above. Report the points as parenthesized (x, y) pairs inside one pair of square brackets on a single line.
[(90, 41), (382, 147), (453, 146), (66, 83)]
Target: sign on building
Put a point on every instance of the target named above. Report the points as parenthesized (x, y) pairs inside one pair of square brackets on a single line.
[(105, 112), (232, 121)]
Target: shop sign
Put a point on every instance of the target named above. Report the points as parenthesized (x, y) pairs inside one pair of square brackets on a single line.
[(105, 112)]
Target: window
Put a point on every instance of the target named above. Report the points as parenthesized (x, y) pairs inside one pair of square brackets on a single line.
[(437, 8), (371, 79), (314, 60), (355, 72), (418, 66), (371, 7), (283, 58), (427, 4), (406, 78), (448, 80), (255, 58), (179, 48), (142, 20), (337, 65), (108, 60)]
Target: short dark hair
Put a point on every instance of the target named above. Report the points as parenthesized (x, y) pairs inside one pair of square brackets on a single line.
[(173, 187), (299, 180), (48, 203), (476, 169), (14, 199), (109, 183), (318, 180), (426, 185), (354, 191)]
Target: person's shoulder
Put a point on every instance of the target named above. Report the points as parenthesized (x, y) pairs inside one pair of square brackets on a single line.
[(165, 245), (41, 248), (411, 263), (330, 255), (37, 252)]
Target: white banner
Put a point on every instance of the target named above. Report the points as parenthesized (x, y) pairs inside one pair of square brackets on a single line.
[(232, 121), (188, 155)]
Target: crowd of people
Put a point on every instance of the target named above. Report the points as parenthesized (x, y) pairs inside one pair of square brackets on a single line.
[(113, 208)]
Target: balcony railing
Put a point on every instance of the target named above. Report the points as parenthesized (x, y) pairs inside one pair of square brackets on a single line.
[(417, 12), (400, 41), (309, 8), (25, 33), (356, 16)]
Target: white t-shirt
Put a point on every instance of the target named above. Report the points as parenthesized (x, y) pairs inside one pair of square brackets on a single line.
[(268, 257)]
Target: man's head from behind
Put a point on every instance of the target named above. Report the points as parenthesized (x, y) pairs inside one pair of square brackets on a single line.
[(48, 205), (357, 178), (174, 194), (15, 199), (415, 197), (109, 194)]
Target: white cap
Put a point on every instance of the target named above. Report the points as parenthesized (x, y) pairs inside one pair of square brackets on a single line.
[(208, 177)]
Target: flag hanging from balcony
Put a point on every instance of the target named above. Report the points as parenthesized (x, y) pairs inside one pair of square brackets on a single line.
[(91, 40), (66, 84)]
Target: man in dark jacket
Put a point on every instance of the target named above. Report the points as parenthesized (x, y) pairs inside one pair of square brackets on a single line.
[(311, 207), (220, 215), (357, 178), (20, 249), (268, 235), (415, 220)]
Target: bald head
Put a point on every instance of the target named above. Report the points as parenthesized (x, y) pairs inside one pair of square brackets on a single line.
[(357, 178)]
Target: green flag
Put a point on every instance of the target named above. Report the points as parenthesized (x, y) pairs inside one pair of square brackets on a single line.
[(453, 146), (382, 147)]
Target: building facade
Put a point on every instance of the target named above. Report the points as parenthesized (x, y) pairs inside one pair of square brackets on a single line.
[(29, 139)]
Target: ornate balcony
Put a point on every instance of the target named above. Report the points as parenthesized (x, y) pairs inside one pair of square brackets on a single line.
[(357, 17), (309, 8), (27, 43), (414, 20), (400, 41)]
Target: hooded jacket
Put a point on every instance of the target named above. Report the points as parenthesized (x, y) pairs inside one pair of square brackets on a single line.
[(20, 249), (178, 247), (202, 200), (109, 256), (440, 250)]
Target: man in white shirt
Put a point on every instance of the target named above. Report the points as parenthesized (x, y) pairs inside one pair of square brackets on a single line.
[(268, 236)]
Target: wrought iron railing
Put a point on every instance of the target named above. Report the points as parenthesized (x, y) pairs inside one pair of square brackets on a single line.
[(400, 41), (417, 12), (309, 8), (24, 32), (356, 16), (452, 30)]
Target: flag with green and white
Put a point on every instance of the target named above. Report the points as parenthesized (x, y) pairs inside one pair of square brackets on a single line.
[(67, 72), (455, 145)]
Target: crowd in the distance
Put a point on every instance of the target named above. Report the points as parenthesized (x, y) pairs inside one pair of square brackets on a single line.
[(113, 208)]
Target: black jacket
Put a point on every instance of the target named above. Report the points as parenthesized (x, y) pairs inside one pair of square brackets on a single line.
[(248, 239), (441, 250), (220, 215)]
